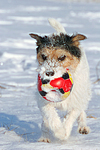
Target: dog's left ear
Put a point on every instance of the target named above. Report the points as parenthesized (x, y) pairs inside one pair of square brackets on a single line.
[(77, 38)]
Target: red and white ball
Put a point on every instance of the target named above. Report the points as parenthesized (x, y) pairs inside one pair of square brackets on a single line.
[(56, 90)]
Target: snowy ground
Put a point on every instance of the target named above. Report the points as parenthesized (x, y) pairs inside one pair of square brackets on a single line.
[(20, 118)]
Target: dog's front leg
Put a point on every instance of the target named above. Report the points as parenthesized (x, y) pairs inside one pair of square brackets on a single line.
[(52, 122), (82, 127), (69, 120)]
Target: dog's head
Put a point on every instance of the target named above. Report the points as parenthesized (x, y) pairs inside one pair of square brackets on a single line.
[(57, 52)]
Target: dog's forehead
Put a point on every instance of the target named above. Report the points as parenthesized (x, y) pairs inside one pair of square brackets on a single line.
[(54, 54), (62, 41), (52, 50)]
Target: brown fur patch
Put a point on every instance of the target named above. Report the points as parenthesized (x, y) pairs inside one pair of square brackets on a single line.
[(54, 55), (63, 41)]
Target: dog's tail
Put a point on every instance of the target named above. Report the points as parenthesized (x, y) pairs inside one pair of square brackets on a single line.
[(56, 25)]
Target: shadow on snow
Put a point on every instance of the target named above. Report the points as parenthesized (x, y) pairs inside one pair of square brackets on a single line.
[(27, 130)]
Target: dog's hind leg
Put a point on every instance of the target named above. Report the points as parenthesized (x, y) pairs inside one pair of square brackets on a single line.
[(82, 127)]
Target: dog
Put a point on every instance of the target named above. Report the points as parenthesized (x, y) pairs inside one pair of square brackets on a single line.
[(55, 53)]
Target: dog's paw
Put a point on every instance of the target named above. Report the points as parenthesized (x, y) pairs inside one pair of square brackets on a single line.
[(42, 139), (84, 130)]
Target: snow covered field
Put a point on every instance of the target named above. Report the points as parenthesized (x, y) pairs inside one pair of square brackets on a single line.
[(20, 118)]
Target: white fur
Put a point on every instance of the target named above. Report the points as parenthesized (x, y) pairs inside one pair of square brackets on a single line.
[(75, 105), (56, 25)]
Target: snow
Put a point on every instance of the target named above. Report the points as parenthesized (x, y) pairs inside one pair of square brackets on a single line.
[(20, 118)]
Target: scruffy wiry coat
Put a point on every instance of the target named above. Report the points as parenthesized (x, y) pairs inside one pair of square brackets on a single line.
[(77, 101)]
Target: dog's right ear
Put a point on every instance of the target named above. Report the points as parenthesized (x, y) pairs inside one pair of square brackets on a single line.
[(35, 36), (39, 40)]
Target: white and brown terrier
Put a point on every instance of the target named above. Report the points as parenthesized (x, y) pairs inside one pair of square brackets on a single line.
[(55, 53)]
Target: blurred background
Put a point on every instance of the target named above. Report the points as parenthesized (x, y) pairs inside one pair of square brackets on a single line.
[(18, 76)]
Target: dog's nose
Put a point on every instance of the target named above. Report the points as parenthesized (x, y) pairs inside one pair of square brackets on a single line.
[(50, 73)]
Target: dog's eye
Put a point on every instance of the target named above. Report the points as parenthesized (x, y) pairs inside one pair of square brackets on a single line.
[(61, 58), (44, 57)]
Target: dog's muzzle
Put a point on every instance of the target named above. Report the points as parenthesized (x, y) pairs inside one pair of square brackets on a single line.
[(50, 73)]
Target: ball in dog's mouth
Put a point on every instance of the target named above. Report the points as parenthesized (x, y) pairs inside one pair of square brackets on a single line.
[(57, 89)]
